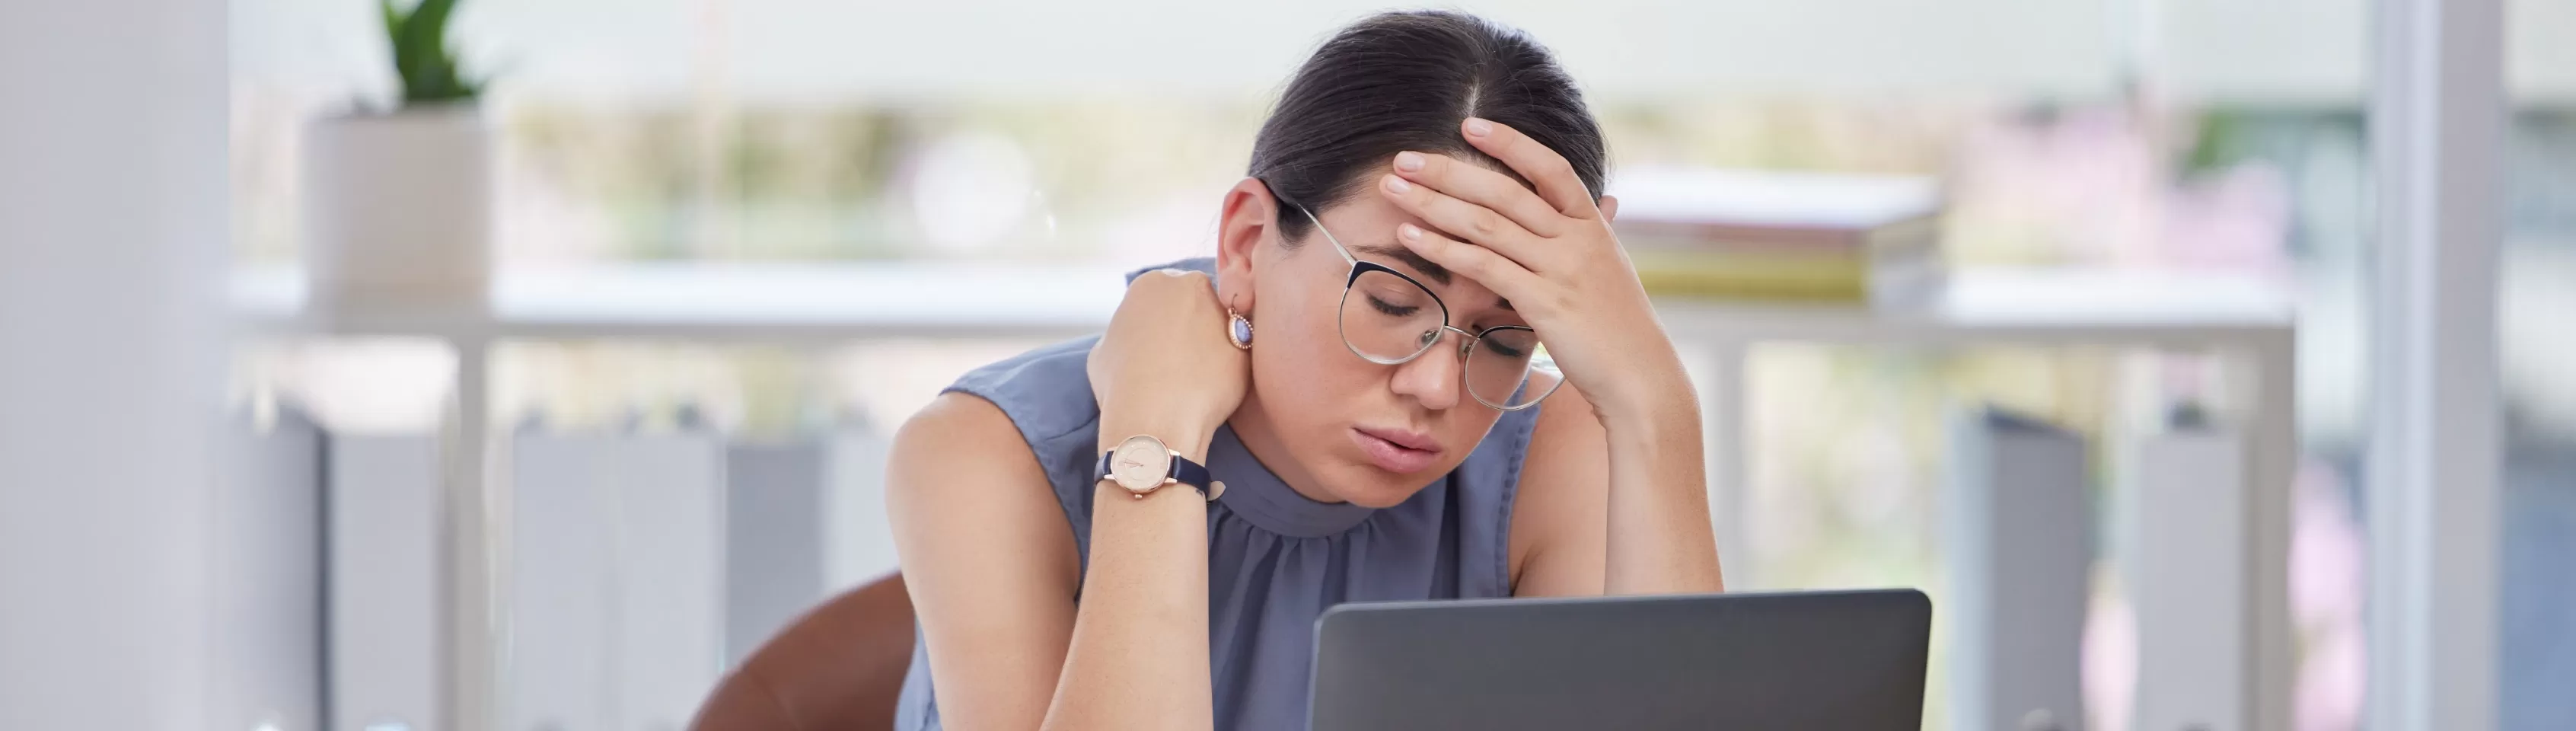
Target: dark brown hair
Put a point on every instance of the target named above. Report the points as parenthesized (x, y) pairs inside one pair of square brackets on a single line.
[(1404, 81)]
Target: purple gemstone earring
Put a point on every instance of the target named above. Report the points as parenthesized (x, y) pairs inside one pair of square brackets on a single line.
[(1238, 329)]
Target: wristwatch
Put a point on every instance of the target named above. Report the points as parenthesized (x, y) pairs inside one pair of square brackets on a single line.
[(1142, 465)]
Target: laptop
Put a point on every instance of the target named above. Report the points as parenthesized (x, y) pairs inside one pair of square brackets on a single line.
[(1841, 660)]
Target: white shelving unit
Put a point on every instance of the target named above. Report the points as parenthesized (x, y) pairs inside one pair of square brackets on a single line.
[(2249, 324)]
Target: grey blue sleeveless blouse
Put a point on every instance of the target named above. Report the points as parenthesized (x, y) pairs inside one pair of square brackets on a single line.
[(1276, 560)]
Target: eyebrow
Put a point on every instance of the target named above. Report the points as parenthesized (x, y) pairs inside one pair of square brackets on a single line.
[(1436, 272)]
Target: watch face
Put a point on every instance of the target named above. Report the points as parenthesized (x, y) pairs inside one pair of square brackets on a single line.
[(1140, 464)]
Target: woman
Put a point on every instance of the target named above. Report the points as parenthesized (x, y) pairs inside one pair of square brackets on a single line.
[(1363, 376)]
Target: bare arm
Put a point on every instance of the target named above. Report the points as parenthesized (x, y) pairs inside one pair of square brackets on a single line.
[(993, 566), (1560, 519), (1660, 537), (1139, 656), (1140, 645), (1573, 535), (989, 560), (993, 573)]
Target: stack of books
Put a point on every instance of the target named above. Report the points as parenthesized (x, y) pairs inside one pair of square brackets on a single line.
[(1782, 236)]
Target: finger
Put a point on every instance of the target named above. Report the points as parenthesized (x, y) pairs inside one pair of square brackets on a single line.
[(1497, 272), (1555, 177), (1465, 220), (1482, 186)]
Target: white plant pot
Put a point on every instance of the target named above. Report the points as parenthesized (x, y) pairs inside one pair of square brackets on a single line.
[(398, 208)]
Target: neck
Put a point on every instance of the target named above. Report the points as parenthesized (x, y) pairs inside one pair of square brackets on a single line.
[(1252, 425)]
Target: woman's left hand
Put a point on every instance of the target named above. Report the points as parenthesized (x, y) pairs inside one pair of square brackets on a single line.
[(1551, 253)]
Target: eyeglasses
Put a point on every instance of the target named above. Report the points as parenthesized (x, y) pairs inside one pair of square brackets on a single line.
[(1389, 318)]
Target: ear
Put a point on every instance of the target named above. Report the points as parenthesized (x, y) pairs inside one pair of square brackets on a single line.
[(1609, 206), (1250, 215)]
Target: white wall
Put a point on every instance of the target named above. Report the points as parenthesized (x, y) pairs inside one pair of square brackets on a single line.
[(2298, 51), (829, 48), (112, 211)]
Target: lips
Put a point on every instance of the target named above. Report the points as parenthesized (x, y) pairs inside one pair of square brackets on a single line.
[(1397, 450)]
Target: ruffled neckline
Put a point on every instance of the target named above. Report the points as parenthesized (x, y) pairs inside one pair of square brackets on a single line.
[(1267, 502)]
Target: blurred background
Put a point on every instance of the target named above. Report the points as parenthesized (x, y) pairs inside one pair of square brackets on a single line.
[(728, 245)]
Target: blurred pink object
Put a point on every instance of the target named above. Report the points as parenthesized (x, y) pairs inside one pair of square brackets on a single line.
[(2326, 585), (2078, 187), (2094, 186), (2110, 663), (2234, 220)]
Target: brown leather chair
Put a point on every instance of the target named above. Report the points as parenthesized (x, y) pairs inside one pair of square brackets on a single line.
[(839, 667)]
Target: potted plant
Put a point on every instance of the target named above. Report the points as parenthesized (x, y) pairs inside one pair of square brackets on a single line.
[(398, 201)]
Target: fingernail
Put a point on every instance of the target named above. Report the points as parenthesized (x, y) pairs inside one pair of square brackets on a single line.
[(1397, 185), (1408, 161), (1479, 127), (1409, 232)]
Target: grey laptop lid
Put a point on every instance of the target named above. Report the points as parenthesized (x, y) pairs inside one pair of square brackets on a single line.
[(1849, 661)]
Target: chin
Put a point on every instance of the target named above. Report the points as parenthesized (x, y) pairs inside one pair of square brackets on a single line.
[(1377, 488), (1382, 495)]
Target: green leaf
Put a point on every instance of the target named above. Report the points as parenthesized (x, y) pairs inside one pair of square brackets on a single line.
[(418, 39), (428, 28)]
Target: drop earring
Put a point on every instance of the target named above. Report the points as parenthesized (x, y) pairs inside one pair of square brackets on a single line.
[(1238, 329)]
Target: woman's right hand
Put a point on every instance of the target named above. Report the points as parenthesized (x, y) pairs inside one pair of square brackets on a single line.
[(1138, 658), (1165, 367)]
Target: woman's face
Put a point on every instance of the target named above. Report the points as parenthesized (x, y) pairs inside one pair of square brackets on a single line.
[(1335, 426)]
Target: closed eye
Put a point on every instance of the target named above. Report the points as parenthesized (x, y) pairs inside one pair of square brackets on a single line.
[(1392, 309), (1509, 341)]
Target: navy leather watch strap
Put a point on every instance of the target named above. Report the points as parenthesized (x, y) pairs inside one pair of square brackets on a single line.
[(1190, 473)]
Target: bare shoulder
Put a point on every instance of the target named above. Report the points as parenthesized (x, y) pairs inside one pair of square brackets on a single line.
[(960, 477), (959, 436), (962, 425), (1561, 515)]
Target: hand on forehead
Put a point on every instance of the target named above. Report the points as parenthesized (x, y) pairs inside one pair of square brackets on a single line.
[(1367, 228)]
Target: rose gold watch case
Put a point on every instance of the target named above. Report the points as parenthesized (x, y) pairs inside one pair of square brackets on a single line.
[(1142, 464)]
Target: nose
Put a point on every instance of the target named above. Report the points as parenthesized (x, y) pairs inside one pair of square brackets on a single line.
[(1434, 378)]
